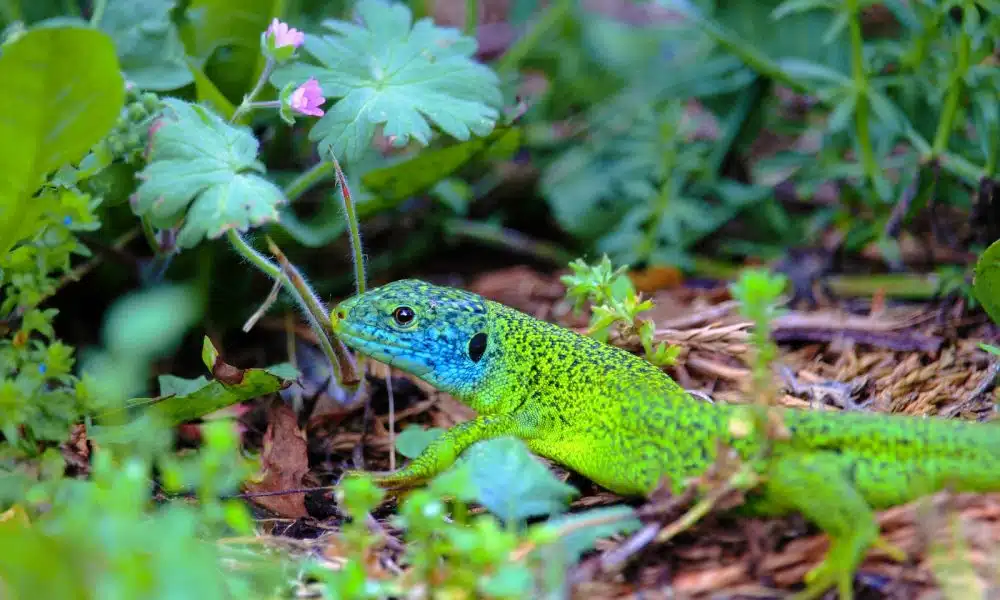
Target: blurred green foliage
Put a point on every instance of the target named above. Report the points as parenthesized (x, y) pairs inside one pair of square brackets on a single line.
[(638, 135)]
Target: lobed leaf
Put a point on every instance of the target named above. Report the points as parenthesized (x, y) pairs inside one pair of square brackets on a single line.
[(402, 78), (204, 172)]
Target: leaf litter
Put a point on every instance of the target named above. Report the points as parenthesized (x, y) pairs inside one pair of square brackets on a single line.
[(910, 359)]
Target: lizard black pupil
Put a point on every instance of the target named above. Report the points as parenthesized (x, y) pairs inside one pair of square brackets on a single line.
[(403, 315), (477, 346)]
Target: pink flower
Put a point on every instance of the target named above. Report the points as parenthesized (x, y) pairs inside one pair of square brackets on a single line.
[(308, 98), (283, 35)]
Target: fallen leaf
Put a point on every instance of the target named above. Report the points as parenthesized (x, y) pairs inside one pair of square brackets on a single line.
[(284, 462)]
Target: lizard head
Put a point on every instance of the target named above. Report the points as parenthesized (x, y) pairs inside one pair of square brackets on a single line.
[(436, 333)]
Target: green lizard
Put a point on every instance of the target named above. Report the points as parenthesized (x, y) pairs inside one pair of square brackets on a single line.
[(620, 421)]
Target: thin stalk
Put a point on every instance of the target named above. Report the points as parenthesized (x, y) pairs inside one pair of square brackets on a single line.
[(668, 153), (352, 226), (471, 17), (147, 231), (307, 179), (99, 7), (947, 122), (861, 87), (749, 54), (340, 359), (248, 99), (263, 104), (552, 16), (992, 152), (259, 260), (956, 165)]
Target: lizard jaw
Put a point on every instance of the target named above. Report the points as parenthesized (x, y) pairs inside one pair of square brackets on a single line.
[(382, 351)]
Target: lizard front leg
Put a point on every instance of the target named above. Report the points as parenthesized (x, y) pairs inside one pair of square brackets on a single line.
[(445, 450)]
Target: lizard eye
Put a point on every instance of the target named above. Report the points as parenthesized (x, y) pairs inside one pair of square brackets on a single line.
[(477, 346), (403, 315)]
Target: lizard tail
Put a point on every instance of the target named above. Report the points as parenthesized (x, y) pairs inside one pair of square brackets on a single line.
[(920, 453)]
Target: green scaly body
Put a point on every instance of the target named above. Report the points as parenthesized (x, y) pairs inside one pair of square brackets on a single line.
[(620, 421)]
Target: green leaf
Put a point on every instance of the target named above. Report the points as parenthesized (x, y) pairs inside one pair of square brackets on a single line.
[(198, 159), (171, 385), (62, 92), (986, 282), (148, 43), (190, 400), (510, 482), (404, 79), (414, 439), (580, 540), (420, 173), (804, 69), (285, 370), (212, 396)]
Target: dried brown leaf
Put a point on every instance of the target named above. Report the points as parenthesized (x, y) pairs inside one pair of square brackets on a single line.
[(284, 462)]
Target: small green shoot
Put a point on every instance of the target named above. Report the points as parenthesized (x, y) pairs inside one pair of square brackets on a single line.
[(616, 304), (758, 292)]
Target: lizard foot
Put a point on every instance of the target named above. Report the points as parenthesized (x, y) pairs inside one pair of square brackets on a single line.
[(822, 577), (837, 569)]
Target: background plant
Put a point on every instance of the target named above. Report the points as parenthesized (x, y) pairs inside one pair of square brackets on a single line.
[(153, 144)]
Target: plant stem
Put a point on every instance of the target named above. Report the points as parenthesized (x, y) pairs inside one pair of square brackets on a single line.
[(668, 153), (150, 234), (344, 366), (861, 87), (352, 226), (259, 260), (315, 313), (99, 7), (471, 17), (947, 122), (952, 163), (748, 53), (306, 180), (248, 99), (553, 14), (263, 104)]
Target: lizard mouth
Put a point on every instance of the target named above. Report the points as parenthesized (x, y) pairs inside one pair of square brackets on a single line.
[(396, 355)]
